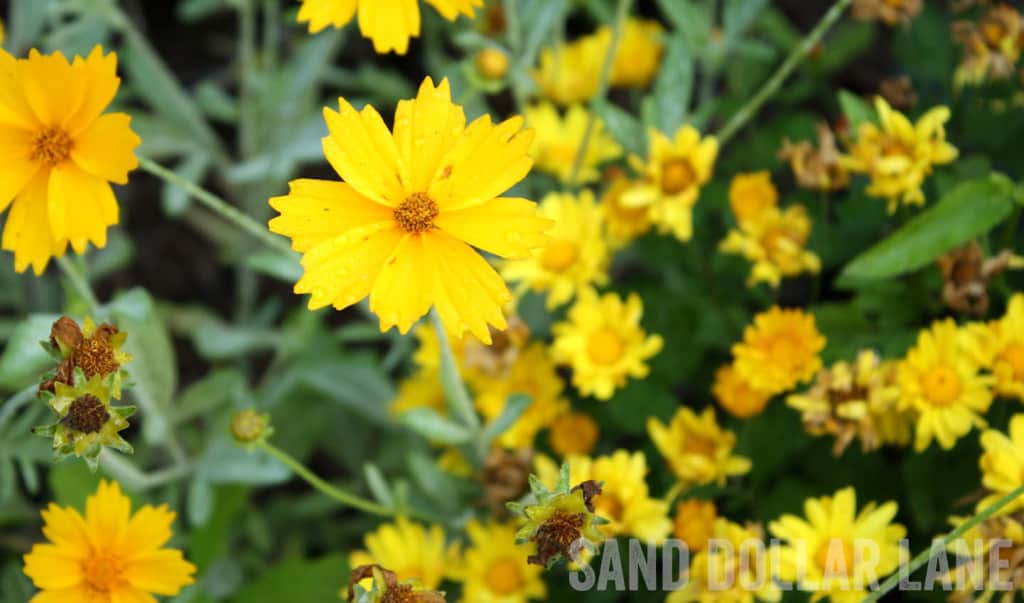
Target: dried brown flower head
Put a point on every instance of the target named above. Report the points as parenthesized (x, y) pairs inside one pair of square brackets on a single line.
[(967, 273), (506, 476), (890, 12), (816, 168), (898, 92), (991, 45), (389, 590)]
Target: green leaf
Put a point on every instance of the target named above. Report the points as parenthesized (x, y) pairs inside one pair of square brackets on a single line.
[(428, 423), (624, 127), (298, 580), (694, 18), (378, 485), (857, 110), (23, 359), (514, 408), (739, 15), (71, 483), (968, 211), (667, 108)]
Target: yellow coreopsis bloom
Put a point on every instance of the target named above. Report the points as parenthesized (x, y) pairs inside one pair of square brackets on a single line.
[(108, 556), (1002, 464), (940, 382), (638, 56), (696, 448), (733, 574), (60, 154), (673, 175), (694, 523), (389, 23), (494, 568), (570, 73), (574, 433), (414, 203), (779, 350), (736, 396), (827, 553), (774, 240), (750, 194), (604, 343), (898, 154), (557, 144), (623, 223), (576, 253), (416, 552), (422, 389), (999, 346)]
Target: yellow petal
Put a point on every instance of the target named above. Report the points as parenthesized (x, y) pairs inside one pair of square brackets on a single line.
[(403, 290), (66, 529), (53, 567), (52, 87), (76, 594), (507, 227), (341, 271), (27, 232), (316, 210), (14, 107), (468, 293), (450, 9), (16, 165), (390, 23), (131, 595), (81, 207), (323, 13), (425, 128), (99, 73), (163, 572), (360, 148), (149, 529), (106, 515), (106, 148)]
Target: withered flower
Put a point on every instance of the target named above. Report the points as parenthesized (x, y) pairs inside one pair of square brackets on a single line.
[(506, 476), (386, 588), (975, 579), (816, 168), (93, 349), (898, 92), (890, 12), (991, 46), (967, 273), (496, 360)]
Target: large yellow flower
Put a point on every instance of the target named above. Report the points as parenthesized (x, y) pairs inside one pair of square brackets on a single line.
[(558, 142), (940, 382), (774, 240), (624, 501), (673, 175), (736, 396), (575, 256), (108, 556), (604, 343), (414, 204), (999, 346), (750, 194), (494, 569), (638, 56), (696, 448), (779, 350), (1002, 464), (899, 155), (570, 73), (389, 23), (59, 154), (412, 551), (836, 552), (738, 573)]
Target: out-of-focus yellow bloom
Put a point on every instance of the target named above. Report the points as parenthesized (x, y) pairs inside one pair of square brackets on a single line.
[(750, 194), (575, 256), (697, 449), (774, 240), (939, 380), (416, 552), (622, 223), (603, 342), (570, 73), (673, 175), (638, 56), (733, 574), (60, 154), (899, 155), (992, 46), (389, 23), (494, 569), (558, 139), (422, 389), (416, 204), (859, 399), (492, 63), (816, 167), (694, 523), (574, 433), (836, 552), (779, 351), (890, 12), (624, 501), (1002, 464), (736, 396), (999, 347), (987, 573)]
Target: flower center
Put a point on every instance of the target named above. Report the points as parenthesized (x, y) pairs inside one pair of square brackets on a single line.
[(417, 213), (1013, 355), (941, 385), (102, 572), (695, 444), (892, 146), (400, 593), (87, 414), (559, 255), (993, 31), (835, 558), (95, 356), (676, 176), (605, 347), (504, 577), (51, 147)]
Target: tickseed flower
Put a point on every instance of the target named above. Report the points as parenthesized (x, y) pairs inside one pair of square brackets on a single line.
[(492, 63), (827, 553), (107, 556), (899, 155), (779, 351), (557, 142), (999, 346), (93, 349), (855, 400), (386, 588), (573, 433), (967, 274), (418, 553), (977, 578), (673, 175), (494, 568), (86, 421), (696, 448), (736, 396), (60, 154), (774, 241), (1002, 464), (575, 256), (638, 57), (890, 12), (570, 73), (694, 523), (750, 194), (415, 202), (742, 569), (939, 380), (603, 342), (816, 167), (991, 46), (623, 224), (388, 23)]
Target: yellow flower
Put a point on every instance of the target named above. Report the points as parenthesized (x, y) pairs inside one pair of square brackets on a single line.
[(899, 155), (694, 523), (415, 202), (422, 389), (779, 351), (573, 433), (999, 346), (740, 575), (532, 374), (604, 343), (827, 551), (1002, 464), (673, 175), (638, 56), (108, 556), (492, 63), (575, 255), (60, 154), (736, 396), (624, 501), (750, 194), (940, 382), (696, 448), (570, 73), (557, 144), (774, 241), (494, 569), (623, 223), (412, 551), (984, 569), (389, 23)]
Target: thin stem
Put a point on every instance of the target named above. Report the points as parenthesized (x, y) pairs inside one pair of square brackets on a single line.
[(136, 480), (940, 548), (333, 492), (79, 281), (621, 14), (217, 204), (750, 109), (460, 405)]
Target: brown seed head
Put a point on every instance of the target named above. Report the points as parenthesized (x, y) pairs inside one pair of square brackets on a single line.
[(87, 414)]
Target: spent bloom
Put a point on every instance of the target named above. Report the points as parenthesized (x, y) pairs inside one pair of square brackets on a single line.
[(780, 350), (557, 143), (967, 272), (774, 241), (96, 350), (816, 167), (991, 46), (986, 572), (696, 448), (418, 552), (384, 587)]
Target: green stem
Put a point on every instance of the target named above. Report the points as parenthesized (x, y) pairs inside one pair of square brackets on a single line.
[(333, 492), (136, 480), (460, 405), (621, 14), (750, 109), (80, 283), (217, 204), (926, 555)]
